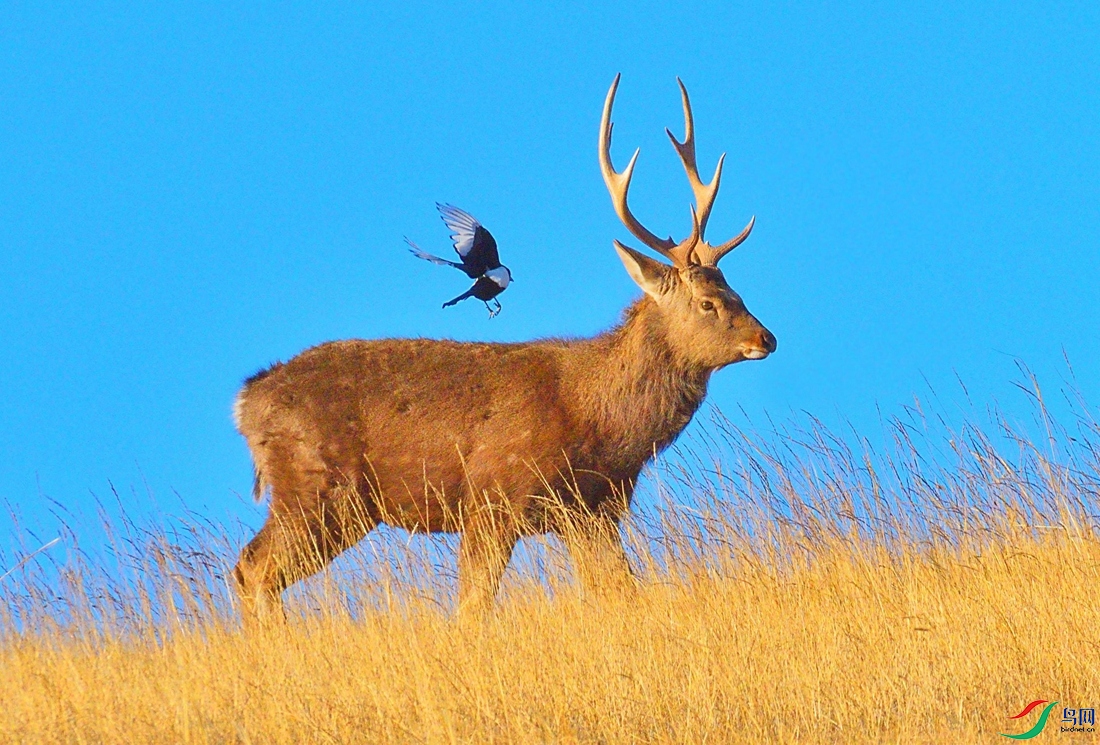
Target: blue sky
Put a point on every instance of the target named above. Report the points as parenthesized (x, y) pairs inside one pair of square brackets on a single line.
[(189, 192)]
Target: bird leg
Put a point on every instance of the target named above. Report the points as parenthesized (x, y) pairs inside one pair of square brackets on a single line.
[(493, 311)]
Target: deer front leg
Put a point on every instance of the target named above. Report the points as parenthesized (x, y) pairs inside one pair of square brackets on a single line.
[(488, 538), (599, 557)]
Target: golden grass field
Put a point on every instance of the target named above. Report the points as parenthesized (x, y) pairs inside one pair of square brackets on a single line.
[(809, 591)]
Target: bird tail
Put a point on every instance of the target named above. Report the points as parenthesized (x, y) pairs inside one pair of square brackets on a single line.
[(421, 254), (463, 296)]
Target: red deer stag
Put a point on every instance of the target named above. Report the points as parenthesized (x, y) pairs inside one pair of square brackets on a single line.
[(493, 441)]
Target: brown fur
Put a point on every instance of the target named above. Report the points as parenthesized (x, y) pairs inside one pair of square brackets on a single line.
[(490, 440)]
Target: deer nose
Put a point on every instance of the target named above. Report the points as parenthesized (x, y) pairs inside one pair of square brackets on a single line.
[(767, 340), (762, 344)]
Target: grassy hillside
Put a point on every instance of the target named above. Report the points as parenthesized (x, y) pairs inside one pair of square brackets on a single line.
[(793, 587)]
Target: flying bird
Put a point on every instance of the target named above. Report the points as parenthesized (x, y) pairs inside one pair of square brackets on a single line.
[(477, 250)]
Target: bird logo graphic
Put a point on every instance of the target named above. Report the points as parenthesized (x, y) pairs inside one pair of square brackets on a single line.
[(477, 250), (1039, 725)]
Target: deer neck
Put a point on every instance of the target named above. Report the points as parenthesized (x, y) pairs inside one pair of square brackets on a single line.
[(641, 392)]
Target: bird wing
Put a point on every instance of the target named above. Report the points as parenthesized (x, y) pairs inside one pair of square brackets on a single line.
[(422, 254), (473, 242), (460, 298), (483, 256), (463, 226)]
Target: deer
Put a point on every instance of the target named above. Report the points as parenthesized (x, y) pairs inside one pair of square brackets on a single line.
[(494, 441)]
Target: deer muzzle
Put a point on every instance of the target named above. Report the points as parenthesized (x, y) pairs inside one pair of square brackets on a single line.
[(760, 347)]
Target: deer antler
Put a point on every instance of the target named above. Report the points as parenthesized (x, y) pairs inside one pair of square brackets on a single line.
[(618, 184), (704, 193), (693, 250), (710, 255)]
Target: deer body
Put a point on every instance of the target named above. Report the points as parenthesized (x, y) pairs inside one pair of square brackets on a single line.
[(424, 426), (490, 440)]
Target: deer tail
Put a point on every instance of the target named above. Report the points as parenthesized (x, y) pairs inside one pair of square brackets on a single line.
[(260, 484)]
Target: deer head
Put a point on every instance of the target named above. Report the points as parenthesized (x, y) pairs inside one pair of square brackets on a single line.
[(706, 321)]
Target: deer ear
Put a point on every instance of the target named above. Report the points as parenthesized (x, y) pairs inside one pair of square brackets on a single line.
[(649, 274)]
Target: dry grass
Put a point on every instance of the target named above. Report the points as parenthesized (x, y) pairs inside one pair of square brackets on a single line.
[(809, 592)]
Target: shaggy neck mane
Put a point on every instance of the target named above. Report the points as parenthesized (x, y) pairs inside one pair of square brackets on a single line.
[(638, 393)]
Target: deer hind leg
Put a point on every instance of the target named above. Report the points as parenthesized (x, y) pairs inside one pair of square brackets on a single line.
[(295, 544)]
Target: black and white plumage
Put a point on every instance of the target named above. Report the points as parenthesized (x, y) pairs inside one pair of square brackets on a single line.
[(477, 250)]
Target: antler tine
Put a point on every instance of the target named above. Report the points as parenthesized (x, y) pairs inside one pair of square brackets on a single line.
[(711, 255), (689, 248), (618, 184), (704, 193)]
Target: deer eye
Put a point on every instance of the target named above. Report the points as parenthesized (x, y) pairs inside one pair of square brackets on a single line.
[(707, 305)]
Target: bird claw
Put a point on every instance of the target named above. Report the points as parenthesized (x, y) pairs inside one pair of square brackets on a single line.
[(494, 312)]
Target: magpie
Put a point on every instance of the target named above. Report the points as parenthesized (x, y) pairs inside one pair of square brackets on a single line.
[(478, 251)]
